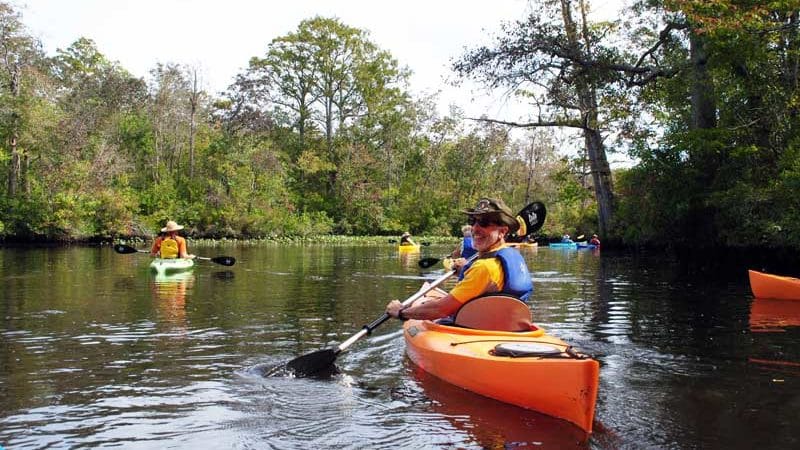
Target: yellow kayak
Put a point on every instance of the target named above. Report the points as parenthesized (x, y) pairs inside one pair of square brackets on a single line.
[(408, 248)]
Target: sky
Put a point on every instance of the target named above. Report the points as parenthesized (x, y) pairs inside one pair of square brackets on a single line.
[(220, 37)]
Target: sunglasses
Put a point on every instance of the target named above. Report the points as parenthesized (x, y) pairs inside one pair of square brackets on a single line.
[(482, 221)]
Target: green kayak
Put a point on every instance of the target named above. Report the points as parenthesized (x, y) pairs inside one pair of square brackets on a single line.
[(168, 266)]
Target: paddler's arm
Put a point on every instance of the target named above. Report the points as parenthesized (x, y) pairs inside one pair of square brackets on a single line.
[(430, 309), (156, 247)]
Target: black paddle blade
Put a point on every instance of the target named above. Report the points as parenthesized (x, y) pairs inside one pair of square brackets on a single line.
[(428, 262), (531, 218), (224, 260), (124, 249), (426, 244), (312, 363)]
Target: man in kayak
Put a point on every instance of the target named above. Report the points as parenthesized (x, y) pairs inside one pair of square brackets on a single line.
[(595, 240), (497, 269), (169, 245)]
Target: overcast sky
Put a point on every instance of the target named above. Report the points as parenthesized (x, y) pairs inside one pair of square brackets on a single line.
[(220, 36)]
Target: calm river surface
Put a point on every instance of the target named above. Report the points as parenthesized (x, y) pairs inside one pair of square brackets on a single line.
[(97, 352)]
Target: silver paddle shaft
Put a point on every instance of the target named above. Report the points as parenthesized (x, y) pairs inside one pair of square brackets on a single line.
[(419, 294)]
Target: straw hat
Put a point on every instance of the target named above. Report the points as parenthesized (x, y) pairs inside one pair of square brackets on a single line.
[(171, 226)]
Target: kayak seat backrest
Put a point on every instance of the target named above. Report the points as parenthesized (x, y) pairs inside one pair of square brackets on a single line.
[(494, 312)]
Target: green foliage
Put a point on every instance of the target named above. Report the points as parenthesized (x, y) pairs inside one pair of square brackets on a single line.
[(320, 135)]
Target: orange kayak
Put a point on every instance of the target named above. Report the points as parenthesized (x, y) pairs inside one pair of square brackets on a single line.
[(765, 285), (529, 369)]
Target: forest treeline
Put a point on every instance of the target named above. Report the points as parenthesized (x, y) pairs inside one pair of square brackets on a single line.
[(321, 134)]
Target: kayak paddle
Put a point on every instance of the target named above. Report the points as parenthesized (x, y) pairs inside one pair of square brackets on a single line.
[(224, 260), (530, 219), (322, 360)]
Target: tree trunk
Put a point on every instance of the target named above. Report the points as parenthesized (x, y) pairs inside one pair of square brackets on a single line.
[(15, 165), (704, 107), (595, 150), (194, 99)]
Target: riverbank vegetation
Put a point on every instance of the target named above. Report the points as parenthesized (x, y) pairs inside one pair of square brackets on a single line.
[(321, 134)]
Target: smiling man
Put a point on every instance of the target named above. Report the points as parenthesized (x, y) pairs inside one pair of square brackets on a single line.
[(497, 269)]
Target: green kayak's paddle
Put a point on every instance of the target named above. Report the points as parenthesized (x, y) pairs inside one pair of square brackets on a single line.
[(530, 219), (224, 260)]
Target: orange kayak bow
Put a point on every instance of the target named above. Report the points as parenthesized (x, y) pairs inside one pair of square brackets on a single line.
[(765, 285)]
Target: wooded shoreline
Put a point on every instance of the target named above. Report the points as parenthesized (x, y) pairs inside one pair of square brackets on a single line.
[(317, 138), (722, 262)]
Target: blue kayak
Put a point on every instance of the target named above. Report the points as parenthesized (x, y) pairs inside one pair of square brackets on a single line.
[(587, 246), (563, 245)]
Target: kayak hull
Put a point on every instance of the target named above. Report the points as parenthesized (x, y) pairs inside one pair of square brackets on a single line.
[(765, 285), (171, 266), (556, 385), (563, 245)]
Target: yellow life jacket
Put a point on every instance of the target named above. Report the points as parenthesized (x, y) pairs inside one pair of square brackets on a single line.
[(169, 248)]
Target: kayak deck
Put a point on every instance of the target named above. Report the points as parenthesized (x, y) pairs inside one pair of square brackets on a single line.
[(559, 382)]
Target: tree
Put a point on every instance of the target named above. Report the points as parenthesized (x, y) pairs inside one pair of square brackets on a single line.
[(727, 159), (338, 90), (20, 55)]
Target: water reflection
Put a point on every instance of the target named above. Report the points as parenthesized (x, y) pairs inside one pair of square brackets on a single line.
[(169, 296), (774, 321), (409, 259), (769, 315)]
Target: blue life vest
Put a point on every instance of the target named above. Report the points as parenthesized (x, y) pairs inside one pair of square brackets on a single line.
[(468, 250), (517, 277)]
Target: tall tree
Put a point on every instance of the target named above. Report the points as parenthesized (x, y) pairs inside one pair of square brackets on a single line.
[(552, 57), (20, 53), (328, 80)]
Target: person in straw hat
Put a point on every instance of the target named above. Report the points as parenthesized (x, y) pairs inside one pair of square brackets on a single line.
[(169, 245), (498, 268), (405, 239)]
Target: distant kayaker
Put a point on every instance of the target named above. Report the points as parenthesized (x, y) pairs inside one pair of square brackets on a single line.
[(169, 245), (566, 239), (405, 239), (465, 248), (498, 268), (594, 240)]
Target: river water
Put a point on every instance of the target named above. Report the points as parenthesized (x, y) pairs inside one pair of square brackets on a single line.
[(96, 352)]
